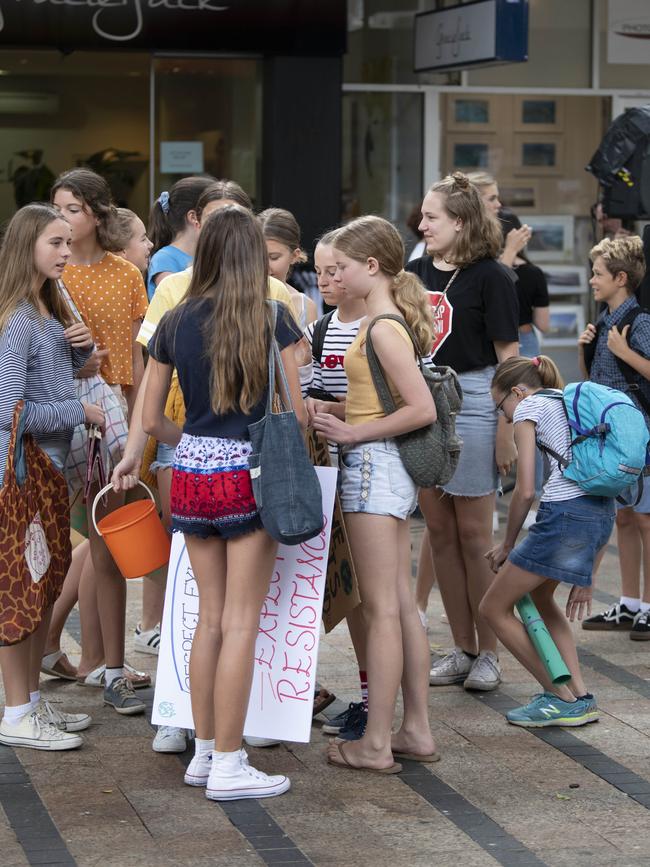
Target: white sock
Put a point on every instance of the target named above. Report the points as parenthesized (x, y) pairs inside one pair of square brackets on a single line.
[(113, 674), (34, 698), (632, 605), (226, 761), (645, 606), (14, 714), (203, 746)]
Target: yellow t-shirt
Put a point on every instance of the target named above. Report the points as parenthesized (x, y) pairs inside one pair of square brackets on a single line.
[(362, 403), (171, 291), (111, 296)]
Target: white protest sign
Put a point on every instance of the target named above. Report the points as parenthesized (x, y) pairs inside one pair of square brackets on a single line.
[(286, 651)]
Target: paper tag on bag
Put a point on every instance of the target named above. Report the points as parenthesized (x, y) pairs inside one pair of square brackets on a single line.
[(37, 553)]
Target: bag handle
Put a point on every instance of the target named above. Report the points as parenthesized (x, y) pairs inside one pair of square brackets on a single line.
[(376, 371), (102, 493), (275, 360), (16, 467)]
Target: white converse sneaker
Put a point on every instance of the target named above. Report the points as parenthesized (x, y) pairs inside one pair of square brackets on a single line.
[(34, 732), (169, 739), (232, 778), (147, 641), (485, 673), (198, 770), (66, 722), (452, 668)]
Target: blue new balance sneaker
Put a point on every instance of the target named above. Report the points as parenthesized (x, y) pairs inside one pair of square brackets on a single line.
[(546, 709)]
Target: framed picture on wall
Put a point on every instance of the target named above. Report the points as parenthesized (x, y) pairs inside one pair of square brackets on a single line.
[(519, 196), (566, 279), (567, 322), (538, 114), (470, 153), (471, 113), (552, 238), (538, 154)]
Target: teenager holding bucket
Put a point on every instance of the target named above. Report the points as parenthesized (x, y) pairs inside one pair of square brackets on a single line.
[(217, 339), (570, 529)]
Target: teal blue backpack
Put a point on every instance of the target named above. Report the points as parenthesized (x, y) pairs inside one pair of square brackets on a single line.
[(609, 438)]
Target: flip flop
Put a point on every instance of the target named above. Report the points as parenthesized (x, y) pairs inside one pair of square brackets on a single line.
[(395, 768), (322, 699), (58, 665), (415, 757)]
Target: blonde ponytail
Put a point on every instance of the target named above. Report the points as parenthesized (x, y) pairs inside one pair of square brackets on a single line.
[(410, 296), (538, 372)]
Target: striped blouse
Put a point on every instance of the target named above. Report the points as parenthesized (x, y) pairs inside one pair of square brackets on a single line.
[(36, 365)]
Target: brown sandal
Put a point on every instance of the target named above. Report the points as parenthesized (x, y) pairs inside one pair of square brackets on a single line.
[(322, 699)]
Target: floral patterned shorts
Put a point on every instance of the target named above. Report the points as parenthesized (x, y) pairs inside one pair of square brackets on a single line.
[(211, 492)]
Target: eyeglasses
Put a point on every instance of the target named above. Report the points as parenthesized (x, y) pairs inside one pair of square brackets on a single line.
[(499, 407)]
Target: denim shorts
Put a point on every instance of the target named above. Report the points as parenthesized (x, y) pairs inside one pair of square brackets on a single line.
[(373, 480), (164, 458), (476, 424), (564, 540)]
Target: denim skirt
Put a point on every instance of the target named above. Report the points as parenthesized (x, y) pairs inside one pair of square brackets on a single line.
[(373, 480), (476, 474), (564, 540)]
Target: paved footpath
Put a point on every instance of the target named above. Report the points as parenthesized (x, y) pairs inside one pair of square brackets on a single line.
[(500, 796)]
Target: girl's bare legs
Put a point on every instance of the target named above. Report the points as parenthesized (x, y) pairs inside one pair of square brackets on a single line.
[(497, 606), (233, 578), (414, 735), (92, 641), (561, 633), (21, 665), (474, 522), (68, 598), (440, 516), (426, 577), (630, 552), (357, 627), (153, 587), (37, 647), (375, 544)]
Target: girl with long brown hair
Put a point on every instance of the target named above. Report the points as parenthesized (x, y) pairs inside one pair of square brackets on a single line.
[(378, 495), (40, 347), (218, 340), (476, 326)]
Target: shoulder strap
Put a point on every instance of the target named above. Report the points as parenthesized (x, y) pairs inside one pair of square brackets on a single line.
[(563, 463), (633, 377), (376, 371), (318, 336)]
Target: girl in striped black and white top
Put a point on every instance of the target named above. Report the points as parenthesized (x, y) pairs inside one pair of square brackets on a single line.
[(561, 547), (40, 347)]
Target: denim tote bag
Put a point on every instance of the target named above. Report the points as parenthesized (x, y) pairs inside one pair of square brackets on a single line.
[(285, 485)]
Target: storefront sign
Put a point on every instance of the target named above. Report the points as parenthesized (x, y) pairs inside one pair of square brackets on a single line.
[(472, 34), (181, 157), (628, 31), (261, 26), (286, 652)]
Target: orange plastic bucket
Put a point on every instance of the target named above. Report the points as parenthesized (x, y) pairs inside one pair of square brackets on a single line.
[(134, 535)]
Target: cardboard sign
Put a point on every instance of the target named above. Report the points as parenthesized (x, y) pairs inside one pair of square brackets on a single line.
[(286, 652), (341, 588)]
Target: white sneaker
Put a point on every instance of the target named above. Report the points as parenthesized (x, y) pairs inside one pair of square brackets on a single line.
[(485, 673), (261, 742), (198, 770), (452, 668), (34, 732), (232, 778), (169, 739), (66, 722), (147, 642)]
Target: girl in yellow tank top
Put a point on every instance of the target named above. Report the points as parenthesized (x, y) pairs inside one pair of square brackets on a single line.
[(377, 494)]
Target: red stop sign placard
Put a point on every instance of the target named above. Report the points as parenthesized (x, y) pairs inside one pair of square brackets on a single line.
[(443, 317)]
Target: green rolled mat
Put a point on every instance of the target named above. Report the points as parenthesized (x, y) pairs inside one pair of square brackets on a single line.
[(542, 641)]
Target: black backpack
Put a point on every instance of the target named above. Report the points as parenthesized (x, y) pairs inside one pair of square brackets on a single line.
[(638, 386), (318, 336)]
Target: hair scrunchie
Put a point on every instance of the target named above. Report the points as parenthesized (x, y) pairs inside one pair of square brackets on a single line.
[(535, 361), (163, 201)]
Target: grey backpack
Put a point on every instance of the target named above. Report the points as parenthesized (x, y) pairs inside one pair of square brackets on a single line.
[(430, 454)]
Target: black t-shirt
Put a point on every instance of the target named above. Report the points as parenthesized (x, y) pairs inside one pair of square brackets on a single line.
[(182, 345), (532, 291), (481, 307)]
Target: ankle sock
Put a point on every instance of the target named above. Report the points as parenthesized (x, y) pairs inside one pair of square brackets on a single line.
[(631, 604), (229, 761), (113, 674), (645, 606), (363, 680), (14, 714), (34, 698), (203, 746)]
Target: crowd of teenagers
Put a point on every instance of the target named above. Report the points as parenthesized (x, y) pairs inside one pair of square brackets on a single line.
[(88, 294)]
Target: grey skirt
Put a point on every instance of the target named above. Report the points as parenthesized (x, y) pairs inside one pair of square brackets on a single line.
[(476, 474)]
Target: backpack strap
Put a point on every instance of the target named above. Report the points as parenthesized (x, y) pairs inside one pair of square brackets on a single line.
[(562, 462), (376, 371), (318, 336)]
